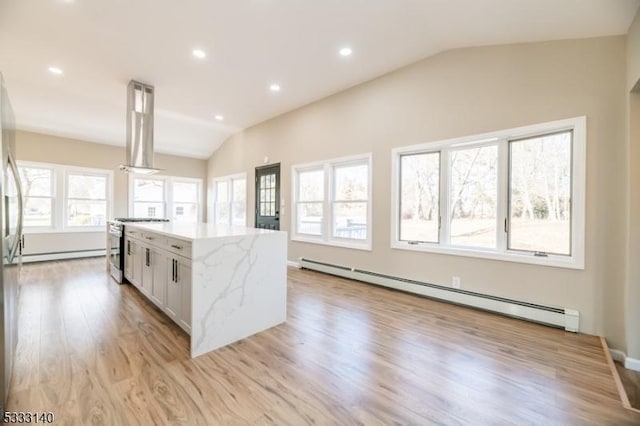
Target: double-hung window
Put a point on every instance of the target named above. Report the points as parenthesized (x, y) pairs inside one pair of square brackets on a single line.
[(149, 197), (186, 201), (166, 197), (310, 201), (239, 201), (61, 198), (332, 202), (229, 197), (38, 188), (86, 199), (515, 195)]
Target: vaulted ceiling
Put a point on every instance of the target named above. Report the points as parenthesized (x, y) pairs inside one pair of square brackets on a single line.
[(66, 63)]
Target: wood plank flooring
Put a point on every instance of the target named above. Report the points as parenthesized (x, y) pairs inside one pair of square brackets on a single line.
[(95, 352), (631, 382)]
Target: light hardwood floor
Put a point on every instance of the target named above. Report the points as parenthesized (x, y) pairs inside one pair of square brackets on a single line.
[(95, 352), (631, 382)]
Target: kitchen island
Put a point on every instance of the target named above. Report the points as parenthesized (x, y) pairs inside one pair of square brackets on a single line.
[(218, 283)]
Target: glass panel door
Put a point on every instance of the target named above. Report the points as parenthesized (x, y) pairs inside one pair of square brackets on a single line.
[(268, 197)]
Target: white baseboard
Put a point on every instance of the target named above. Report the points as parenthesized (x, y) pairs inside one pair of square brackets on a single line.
[(293, 264), (628, 362), (618, 355), (63, 255), (632, 364), (569, 319)]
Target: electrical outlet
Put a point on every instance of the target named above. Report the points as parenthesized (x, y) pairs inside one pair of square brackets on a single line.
[(455, 282)]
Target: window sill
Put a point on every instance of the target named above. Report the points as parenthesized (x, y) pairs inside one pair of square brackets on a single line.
[(551, 260), (93, 229), (366, 246)]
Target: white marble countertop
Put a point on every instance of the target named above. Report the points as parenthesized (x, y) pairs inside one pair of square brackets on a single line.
[(200, 231)]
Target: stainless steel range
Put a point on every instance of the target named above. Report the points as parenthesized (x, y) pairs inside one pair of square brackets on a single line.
[(116, 246)]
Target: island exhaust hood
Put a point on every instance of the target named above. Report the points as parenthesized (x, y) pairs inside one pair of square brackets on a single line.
[(139, 129)]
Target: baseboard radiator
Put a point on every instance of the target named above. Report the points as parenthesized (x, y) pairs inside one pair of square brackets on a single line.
[(62, 255), (568, 319)]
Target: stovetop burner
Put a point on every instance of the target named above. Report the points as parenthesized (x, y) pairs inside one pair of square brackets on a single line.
[(139, 219)]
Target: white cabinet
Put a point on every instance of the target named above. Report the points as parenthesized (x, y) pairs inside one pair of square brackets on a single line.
[(128, 260), (146, 280), (174, 298), (179, 291), (161, 269), (158, 266), (221, 283), (133, 262)]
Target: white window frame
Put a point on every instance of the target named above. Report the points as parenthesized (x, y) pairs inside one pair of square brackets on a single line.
[(167, 193), (294, 205), (214, 197), (108, 174), (169, 204), (501, 140), (53, 197), (326, 234), (59, 204)]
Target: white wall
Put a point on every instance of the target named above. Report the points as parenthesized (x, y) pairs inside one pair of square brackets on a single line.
[(464, 92)]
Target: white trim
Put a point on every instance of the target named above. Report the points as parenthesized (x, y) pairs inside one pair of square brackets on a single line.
[(62, 256), (199, 198), (632, 364), (566, 318), (79, 229), (344, 243), (628, 362), (618, 355), (500, 139), (52, 197), (59, 184), (131, 177), (108, 200), (556, 261), (213, 194), (167, 200), (293, 264), (502, 210), (329, 167)]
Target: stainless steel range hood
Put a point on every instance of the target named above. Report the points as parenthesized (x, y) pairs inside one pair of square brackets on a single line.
[(139, 129)]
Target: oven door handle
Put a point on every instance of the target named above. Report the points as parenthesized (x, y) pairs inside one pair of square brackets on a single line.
[(115, 231)]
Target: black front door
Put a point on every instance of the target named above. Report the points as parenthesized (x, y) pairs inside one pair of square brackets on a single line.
[(268, 197)]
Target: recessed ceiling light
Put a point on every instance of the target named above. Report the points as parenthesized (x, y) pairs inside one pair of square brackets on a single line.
[(55, 70), (345, 51), (274, 87), (219, 117), (199, 53)]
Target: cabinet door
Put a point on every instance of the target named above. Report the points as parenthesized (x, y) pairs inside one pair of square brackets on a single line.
[(146, 280), (174, 296), (128, 259), (184, 281), (158, 261), (137, 263), (132, 262)]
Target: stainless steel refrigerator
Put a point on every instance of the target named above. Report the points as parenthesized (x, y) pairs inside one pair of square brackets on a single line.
[(11, 214)]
